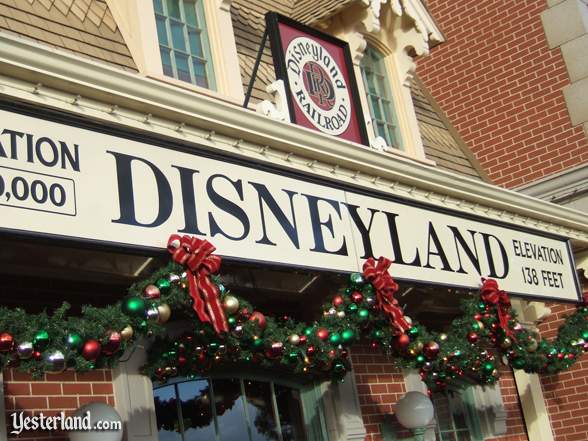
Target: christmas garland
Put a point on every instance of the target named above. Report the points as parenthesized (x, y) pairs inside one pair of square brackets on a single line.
[(226, 330)]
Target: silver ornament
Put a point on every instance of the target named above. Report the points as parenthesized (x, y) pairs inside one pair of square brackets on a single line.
[(340, 314), (174, 278), (25, 350), (332, 311), (152, 314), (55, 362)]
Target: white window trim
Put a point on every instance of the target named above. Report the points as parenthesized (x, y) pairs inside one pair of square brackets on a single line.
[(136, 21)]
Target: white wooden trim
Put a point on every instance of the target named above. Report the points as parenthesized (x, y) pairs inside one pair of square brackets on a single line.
[(233, 126)]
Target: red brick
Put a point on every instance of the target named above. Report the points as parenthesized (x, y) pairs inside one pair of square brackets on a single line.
[(63, 402), (46, 388), (17, 389), (76, 388)]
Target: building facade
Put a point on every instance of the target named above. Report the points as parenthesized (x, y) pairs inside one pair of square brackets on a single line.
[(140, 99)]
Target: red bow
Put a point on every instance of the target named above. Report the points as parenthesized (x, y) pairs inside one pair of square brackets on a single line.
[(196, 255), (491, 294), (386, 287), (585, 297)]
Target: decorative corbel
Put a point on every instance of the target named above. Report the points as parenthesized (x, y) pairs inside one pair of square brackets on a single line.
[(225, 5), (278, 109)]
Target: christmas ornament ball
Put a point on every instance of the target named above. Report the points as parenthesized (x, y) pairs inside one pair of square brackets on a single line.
[(54, 362), (151, 292), (431, 349), (134, 306), (231, 304), (25, 350), (322, 333), (6, 342), (91, 350), (127, 333), (164, 313), (259, 318), (294, 339), (40, 340)]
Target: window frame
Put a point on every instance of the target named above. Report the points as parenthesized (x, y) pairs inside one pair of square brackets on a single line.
[(471, 415), (312, 406), (392, 128)]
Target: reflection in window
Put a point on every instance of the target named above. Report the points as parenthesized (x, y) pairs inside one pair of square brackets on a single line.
[(229, 410), (183, 41), (456, 416), (377, 86)]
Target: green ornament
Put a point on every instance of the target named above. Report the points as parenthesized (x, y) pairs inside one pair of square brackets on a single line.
[(134, 306), (232, 321), (356, 278), (488, 367), (420, 359), (221, 288), (584, 310), (212, 348), (363, 314), (163, 284), (74, 341), (518, 363), (414, 331), (367, 289), (41, 340), (143, 324), (293, 356), (308, 331), (476, 326), (352, 307), (347, 335), (585, 335), (339, 368), (334, 338), (258, 343), (482, 306), (378, 334)]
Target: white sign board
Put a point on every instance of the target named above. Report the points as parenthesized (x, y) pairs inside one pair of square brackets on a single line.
[(69, 182)]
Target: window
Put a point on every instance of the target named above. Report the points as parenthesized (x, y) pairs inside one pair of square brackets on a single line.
[(379, 97), (235, 409), (456, 416), (183, 41)]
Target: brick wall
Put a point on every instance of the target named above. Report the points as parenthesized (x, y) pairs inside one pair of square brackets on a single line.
[(54, 393), (501, 87), (566, 394)]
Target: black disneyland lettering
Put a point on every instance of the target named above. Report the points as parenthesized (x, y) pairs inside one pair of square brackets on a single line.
[(48, 152)]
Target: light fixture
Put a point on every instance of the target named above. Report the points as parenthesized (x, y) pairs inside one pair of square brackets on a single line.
[(415, 411)]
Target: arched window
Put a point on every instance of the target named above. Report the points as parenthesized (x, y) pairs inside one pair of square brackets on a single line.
[(236, 408), (379, 97)]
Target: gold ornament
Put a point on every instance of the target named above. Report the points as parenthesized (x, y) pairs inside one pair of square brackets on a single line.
[(294, 339), (506, 343), (164, 313), (231, 304), (442, 337), (127, 333)]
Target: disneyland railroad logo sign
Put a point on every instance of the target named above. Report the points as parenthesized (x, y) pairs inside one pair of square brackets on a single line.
[(318, 73), (318, 85)]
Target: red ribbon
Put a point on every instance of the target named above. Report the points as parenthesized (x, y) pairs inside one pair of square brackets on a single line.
[(585, 297), (492, 294), (386, 287), (196, 255)]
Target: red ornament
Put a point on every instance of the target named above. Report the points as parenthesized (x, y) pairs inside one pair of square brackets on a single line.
[(302, 339), (374, 345), (259, 317), (356, 297), (473, 337), (431, 349), (403, 341), (478, 317), (151, 292), (113, 344), (37, 355), (322, 333), (91, 350), (332, 354), (6, 342), (344, 353), (337, 301), (182, 360), (310, 350), (275, 350), (245, 313)]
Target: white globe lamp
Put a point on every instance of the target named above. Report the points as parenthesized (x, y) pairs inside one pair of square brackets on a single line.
[(415, 411), (98, 413)]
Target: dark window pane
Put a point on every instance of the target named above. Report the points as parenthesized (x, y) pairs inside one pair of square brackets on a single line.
[(166, 410), (259, 407), (196, 402), (190, 10), (173, 8), (182, 66), (177, 31), (200, 73), (195, 42), (161, 32), (230, 413), (289, 410), (166, 62)]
